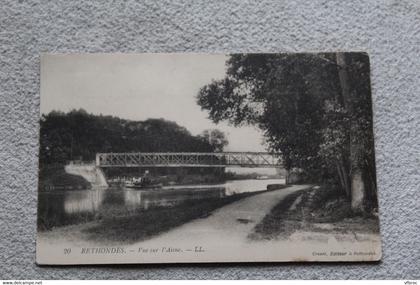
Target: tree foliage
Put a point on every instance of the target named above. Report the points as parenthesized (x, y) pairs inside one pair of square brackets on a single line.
[(215, 138), (79, 135), (299, 102)]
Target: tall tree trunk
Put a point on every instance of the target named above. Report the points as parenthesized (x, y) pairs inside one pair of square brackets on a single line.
[(357, 184), (343, 174), (340, 175), (357, 190)]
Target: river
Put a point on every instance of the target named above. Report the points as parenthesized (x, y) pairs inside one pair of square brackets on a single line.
[(60, 208)]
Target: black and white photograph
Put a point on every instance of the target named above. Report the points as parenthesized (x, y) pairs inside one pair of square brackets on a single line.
[(206, 158)]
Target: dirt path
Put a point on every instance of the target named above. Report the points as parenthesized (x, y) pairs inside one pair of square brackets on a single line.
[(229, 224)]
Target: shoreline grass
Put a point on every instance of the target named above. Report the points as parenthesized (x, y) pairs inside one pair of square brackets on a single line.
[(316, 210)]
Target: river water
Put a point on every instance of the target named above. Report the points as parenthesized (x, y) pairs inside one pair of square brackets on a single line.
[(59, 208)]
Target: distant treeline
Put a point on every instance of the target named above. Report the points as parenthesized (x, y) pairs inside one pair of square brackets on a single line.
[(80, 135)]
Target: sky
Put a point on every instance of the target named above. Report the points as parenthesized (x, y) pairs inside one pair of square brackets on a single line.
[(138, 87)]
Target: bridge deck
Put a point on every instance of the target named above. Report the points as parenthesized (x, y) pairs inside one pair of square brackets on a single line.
[(187, 159)]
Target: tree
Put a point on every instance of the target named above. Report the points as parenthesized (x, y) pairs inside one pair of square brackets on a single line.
[(313, 109), (78, 134), (215, 138), (355, 85)]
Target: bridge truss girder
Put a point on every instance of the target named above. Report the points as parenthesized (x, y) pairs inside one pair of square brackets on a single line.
[(187, 159)]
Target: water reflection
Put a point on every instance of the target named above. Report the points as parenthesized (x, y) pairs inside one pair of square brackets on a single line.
[(82, 201), (70, 207), (167, 198)]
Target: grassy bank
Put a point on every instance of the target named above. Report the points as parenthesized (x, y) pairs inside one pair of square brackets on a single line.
[(145, 224), (317, 210), (54, 177)]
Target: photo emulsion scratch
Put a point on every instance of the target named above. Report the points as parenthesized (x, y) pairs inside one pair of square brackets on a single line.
[(181, 158)]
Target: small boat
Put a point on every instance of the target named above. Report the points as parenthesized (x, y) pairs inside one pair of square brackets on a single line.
[(141, 183)]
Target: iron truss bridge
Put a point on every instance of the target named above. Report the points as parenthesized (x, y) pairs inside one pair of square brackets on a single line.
[(187, 159)]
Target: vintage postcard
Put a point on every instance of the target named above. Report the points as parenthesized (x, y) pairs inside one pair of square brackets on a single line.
[(183, 158)]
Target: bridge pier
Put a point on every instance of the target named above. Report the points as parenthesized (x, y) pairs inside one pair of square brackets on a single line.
[(93, 174)]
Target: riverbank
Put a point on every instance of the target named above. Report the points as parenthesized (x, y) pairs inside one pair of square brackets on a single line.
[(317, 211), (231, 223), (118, 225), (230, 217), (222, 235), (145, 224)]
